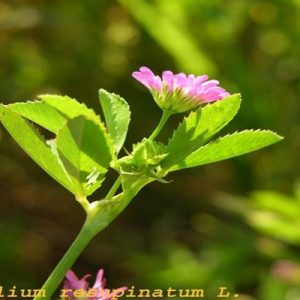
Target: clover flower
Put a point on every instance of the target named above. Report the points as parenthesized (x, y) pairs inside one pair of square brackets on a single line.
[(180, 92), (75, 288)]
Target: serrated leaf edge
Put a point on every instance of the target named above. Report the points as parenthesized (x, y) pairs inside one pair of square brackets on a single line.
[(276, 135), (114, 114), (69, 99), (194, 112), (39, 135), (107, 136)]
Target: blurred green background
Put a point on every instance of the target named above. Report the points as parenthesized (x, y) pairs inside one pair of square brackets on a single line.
[(235, 223)]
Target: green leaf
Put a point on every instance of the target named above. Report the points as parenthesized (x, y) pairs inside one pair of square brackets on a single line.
[(52, 111), (199, 127), (34, 145), (229, 146), (117, 117), (69, 107), (86, 152), (40, 113)]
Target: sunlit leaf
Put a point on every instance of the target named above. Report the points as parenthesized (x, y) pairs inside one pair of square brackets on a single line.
[(52, 111), (86, 152), (68, 106), (199, 127), (229, 146), (35, 146), (117, 117)]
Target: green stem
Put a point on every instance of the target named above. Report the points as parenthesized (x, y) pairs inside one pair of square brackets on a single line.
[(58, 274), (113, 189), (97, 219), (83, 202), (99, 215), (164, 118)]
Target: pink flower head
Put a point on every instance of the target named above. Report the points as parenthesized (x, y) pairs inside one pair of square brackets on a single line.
[(180, 92), (75, 287)]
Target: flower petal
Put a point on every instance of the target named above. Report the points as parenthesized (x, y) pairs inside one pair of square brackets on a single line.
[(180, 92)]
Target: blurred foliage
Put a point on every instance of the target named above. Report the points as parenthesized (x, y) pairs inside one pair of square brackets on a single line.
[(191, 232)]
